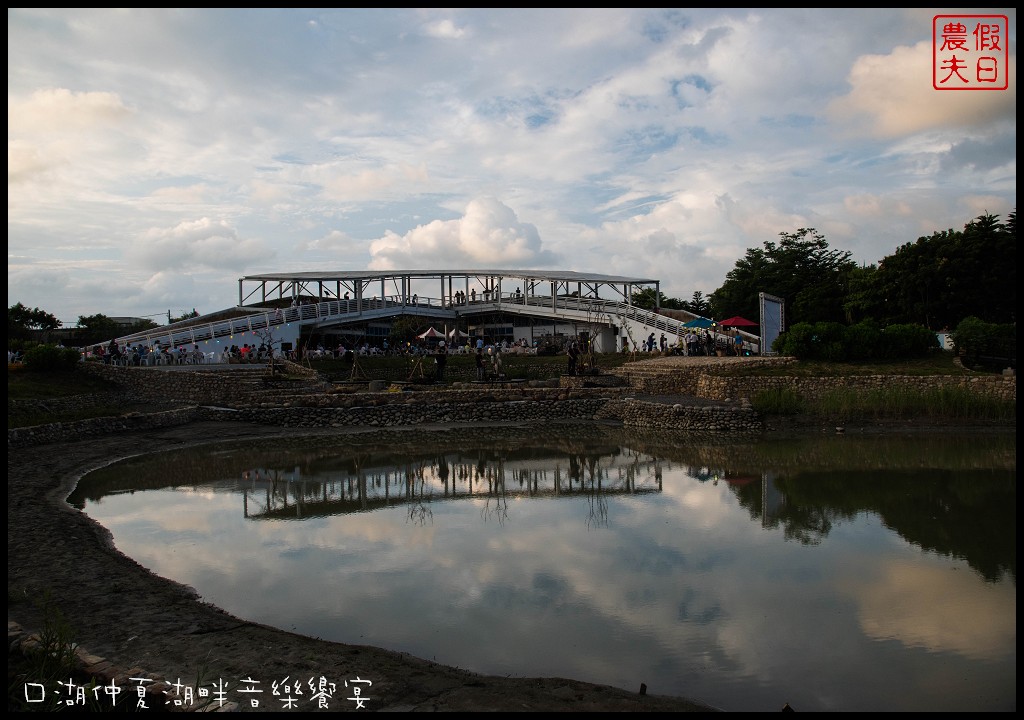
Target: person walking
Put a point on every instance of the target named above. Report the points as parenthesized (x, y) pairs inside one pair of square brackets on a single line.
[(481, 372), (574, 355), (496, 361), (441, 358)]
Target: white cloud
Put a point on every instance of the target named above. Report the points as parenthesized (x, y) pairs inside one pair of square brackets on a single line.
[(891, 97), (488, 235), (201, 244)]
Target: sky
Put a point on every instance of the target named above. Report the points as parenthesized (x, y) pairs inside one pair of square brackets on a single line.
[(156, 156)]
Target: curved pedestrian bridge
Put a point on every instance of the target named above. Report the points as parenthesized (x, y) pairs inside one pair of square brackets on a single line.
[(332, 300)]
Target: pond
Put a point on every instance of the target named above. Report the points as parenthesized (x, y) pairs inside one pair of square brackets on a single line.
[(835, 573)]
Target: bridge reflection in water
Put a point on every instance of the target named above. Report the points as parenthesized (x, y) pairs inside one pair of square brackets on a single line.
[(275, 494)]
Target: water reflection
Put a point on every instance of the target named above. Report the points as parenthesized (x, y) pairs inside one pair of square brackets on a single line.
[(747, 575)]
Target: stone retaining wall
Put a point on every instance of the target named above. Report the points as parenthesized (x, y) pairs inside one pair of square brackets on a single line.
[(95, 427), (701, 420)]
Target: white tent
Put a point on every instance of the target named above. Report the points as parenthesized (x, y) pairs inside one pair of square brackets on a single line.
[(456, 334), (430, 334)]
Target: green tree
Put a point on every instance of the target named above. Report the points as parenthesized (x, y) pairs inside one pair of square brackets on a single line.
[(801, 268), (94, 329), (647, 299), (698, 304), (403, 330), (939, 280), (21, 321), (862, 299)]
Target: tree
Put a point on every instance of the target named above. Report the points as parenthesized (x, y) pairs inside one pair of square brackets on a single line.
[(21, 321), (801, 268), (698, 305), (98, 328), (646, 299), (275, 361), (939, 280), (862, 297), (403, 330)]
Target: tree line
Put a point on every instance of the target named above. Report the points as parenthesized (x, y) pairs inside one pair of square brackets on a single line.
[(936, 281)]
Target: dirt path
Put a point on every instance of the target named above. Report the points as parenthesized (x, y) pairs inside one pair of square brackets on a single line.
[(143, 624)]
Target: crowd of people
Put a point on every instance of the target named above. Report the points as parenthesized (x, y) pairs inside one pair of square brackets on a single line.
[(692, 342)]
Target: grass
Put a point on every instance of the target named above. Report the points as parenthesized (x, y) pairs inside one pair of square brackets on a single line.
[(23, 384), (844, 405), (41, 674)]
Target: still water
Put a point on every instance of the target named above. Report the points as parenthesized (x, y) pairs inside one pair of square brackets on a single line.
[(837, 573)]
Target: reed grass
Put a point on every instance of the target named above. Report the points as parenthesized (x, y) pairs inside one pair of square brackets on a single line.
[(896, 403)]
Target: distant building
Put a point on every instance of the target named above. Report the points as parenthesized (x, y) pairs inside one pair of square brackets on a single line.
[(128, 321)]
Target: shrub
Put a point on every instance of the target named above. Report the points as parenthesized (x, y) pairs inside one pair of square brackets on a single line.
[(796, 342), (982, 343), (863, 341), (51, 357), (834, 342), (908, 341)]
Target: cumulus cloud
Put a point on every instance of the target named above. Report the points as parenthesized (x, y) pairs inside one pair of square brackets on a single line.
[(332, 245), (891, 96), (489, 234), (59, 109), (444, 29), (203, 243), (53, 128)]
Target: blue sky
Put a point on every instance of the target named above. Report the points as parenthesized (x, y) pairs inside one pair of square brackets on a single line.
[(155, 156)]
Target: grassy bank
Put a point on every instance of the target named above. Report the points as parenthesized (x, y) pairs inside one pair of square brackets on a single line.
[(844, 405)]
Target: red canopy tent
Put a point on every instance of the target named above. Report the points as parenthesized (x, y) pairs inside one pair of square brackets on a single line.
[(737, 321), (430, 334)]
